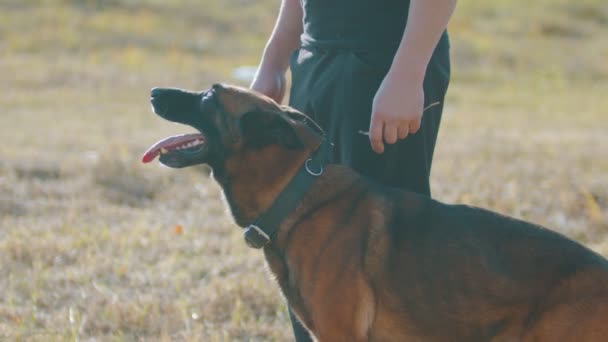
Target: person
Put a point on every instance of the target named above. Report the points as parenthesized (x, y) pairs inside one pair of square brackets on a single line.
[(365, 70)]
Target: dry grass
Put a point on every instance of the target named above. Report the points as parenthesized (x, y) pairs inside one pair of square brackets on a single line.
[(95, 246)]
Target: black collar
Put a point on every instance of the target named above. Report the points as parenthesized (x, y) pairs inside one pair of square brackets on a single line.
[(259, 233)]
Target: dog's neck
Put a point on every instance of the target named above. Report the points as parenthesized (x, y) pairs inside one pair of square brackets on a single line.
[(253, 179)]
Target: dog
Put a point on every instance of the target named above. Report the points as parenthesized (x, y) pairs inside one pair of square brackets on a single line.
[(358, 261)]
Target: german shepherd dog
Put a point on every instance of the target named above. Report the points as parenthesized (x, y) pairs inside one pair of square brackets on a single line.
[(358, 261)]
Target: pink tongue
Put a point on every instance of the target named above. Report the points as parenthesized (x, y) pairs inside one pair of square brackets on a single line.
[(169, 144)]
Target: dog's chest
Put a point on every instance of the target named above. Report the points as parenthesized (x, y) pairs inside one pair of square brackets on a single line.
[(280, 270)]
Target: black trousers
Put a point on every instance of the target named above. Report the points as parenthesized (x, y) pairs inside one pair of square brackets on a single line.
[(336, 88)]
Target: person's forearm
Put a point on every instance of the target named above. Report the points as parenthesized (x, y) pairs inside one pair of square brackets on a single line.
[(427, 20), (285, 36)]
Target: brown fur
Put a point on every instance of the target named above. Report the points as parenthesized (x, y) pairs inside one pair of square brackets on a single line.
[(361, 262)]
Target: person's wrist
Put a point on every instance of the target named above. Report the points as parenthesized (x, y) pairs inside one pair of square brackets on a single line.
[(264, 77), (408, 66), (275, 58), (410, 74)]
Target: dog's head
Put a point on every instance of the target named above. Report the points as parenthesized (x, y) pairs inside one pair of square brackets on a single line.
[(229, 119)]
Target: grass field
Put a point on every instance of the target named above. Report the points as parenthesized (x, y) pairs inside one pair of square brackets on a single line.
[(93, 245)]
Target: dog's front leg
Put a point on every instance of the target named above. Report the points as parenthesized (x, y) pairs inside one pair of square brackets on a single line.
[(345, 314)]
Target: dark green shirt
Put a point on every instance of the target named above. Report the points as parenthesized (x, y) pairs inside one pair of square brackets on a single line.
[(367, 25)]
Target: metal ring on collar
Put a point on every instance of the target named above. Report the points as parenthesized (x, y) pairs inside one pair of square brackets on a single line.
[(311, 172)]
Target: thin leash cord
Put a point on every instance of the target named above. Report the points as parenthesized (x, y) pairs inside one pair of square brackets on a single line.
[(423, 110), (431, 105)]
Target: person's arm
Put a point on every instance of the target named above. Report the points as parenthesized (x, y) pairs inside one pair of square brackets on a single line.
[(398, 104), (285, 38)]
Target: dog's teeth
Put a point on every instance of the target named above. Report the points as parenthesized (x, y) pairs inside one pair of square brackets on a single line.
[(163, 150)]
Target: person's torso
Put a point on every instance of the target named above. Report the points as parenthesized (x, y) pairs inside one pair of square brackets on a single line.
[(355, 23)]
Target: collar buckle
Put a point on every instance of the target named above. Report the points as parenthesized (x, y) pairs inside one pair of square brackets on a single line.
[(255, 237)]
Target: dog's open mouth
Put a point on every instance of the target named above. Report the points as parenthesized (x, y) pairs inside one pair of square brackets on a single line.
[(176, 148)]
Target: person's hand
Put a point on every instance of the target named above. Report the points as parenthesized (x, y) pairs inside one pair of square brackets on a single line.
[(396, 110), (270, 83)]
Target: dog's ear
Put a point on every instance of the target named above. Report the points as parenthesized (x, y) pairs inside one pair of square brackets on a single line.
[(263, 127)]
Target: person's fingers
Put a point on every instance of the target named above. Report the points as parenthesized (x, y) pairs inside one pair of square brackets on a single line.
[(269, 85), (274, 94), (403, 131), (390, 133), (262, 88), (375, 135), (414, 126), (281, 93), (279, 89)]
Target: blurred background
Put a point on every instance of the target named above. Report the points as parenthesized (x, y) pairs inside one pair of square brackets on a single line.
[(96, 246)]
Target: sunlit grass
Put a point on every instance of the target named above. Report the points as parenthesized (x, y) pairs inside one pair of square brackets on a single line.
[(89, 239)]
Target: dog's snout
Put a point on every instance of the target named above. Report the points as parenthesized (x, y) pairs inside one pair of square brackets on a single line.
[(174, 104), (156, 91), (158, 101)]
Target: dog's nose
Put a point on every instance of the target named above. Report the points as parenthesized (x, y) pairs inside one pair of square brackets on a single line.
[(154, 92)]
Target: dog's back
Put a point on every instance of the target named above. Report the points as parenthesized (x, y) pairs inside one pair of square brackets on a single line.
[(463, 273)]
